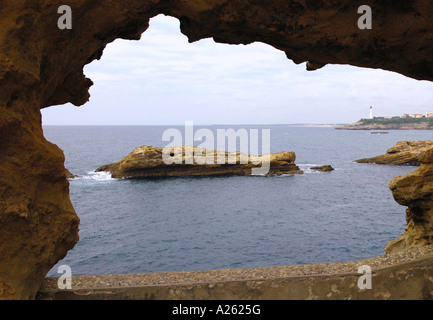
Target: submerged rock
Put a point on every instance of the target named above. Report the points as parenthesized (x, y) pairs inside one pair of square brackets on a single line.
[(148, 162), (403, 153)]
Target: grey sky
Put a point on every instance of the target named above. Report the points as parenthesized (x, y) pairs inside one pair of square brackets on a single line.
[(162, 79)]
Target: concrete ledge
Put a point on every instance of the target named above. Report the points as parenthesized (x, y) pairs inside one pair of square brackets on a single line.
[(408, 280)]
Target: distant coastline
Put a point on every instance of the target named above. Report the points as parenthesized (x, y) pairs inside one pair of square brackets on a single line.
[(395, 123)]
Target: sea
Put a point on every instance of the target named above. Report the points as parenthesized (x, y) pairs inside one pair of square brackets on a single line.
[(208, 223)]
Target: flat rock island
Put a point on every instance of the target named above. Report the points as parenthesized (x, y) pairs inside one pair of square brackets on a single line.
[(148, 162)]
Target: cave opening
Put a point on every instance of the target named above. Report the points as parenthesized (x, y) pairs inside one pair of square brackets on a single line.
[(130, 226)]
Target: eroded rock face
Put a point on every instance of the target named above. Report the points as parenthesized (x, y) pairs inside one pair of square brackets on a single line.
[(403, 153), (148, 162), (42, 66), (415, 191)]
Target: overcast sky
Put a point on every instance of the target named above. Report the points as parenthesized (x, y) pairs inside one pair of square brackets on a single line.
[(164, 80)]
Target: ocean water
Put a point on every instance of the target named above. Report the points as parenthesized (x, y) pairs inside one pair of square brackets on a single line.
[(204, 223)]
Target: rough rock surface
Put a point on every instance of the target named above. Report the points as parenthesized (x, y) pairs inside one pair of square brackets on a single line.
[(416, 192), (404, 126), (42, 66), (38, 224), (147, 162), (403, 153)]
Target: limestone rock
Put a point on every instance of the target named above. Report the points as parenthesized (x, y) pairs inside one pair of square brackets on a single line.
[(403, 153), (424, 125), (69, 175), (325, 168), (415, 191), (147, 162)]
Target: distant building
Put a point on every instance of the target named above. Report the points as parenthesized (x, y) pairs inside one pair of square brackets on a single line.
[(429, 114), (406, 115), (417, 115), (371, 112)]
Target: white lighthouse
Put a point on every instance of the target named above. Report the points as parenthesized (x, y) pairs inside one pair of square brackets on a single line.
[(371, 112)]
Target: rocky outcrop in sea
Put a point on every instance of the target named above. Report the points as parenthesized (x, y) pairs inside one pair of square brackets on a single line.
[(415, 191), (403, 153), (325, 168)]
